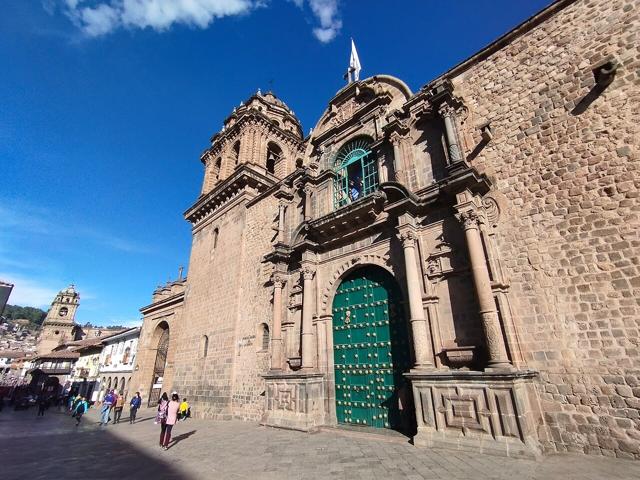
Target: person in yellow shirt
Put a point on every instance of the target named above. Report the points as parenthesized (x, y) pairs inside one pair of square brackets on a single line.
[(185, 410)]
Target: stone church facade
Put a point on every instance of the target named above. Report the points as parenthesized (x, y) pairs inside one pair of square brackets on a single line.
[(458, 263)]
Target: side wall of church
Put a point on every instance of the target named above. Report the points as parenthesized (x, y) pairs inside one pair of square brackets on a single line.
[(211, 310), (566, 173), (255, 310)]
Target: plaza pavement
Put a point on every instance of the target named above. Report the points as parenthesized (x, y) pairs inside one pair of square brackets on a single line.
[(52, 448)]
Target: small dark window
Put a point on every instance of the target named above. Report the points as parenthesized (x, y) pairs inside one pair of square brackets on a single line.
[(204, 349), (264, 331), (274, 154), (236, 151)]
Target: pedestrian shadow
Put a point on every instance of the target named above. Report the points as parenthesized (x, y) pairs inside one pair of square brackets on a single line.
[(140, 420), (182, 436)]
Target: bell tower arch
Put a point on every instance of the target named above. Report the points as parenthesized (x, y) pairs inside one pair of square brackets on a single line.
[(263, 133)]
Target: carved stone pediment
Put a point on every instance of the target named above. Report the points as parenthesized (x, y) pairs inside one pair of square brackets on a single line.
[(351, 105)]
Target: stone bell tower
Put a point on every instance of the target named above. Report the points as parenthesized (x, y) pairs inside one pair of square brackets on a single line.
[(59, 325), (262, 133)]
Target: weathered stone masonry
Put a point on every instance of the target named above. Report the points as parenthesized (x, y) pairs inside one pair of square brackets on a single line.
[(502, 198)]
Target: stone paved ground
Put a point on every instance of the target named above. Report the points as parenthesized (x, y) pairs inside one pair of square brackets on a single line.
[(51, 447)]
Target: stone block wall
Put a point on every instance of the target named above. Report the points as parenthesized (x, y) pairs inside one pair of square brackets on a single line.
[(211, 309), (255, 309), (564, 161)]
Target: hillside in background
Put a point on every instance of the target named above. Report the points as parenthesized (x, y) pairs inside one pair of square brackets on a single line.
[(16, 312)]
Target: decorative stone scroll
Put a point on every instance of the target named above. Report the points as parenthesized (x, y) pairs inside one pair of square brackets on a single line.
[(491, 209)]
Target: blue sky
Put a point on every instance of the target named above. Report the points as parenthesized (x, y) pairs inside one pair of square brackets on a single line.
[(106, 105)]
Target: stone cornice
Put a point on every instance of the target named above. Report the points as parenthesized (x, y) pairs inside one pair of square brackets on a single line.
[(471, 375), (350, 217), (229, 189), (164, 303), (287, 181), (280, 254)]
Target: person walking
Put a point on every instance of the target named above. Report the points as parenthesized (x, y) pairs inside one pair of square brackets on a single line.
[(117, 408), (106, 408), (72, 398), (171, 418), (75, 403), (80, 410), (134, 405), (43, 404), (161, 416)]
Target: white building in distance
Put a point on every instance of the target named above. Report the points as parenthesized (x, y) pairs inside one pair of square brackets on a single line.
[(117, 361)]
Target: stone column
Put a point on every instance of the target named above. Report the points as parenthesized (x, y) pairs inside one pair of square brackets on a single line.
[(421, 340), (469, 218), (307, 318), (276, 335), (397, 170), (307, 202), (281, 207), (447, 112)]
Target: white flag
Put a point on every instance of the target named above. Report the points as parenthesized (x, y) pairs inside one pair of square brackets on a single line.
[(354, 62)]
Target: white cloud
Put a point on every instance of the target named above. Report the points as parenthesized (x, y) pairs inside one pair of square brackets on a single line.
[(99, 20), (104, 16), (29, 293), (326, 11), (100, 17)]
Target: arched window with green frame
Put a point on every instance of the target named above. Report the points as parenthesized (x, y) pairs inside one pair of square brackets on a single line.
[(356, 172)]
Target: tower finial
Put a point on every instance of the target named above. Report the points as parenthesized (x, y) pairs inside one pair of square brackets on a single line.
[(354, 65)]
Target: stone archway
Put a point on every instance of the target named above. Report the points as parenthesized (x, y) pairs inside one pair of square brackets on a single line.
[(371, 351), (161, 336)]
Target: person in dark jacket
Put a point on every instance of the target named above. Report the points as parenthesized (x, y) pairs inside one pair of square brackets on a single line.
[(107, 403), (43, 404), (81, 408), (134, 405)]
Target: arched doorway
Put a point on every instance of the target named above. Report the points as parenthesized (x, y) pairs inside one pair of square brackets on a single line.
[(371, 352), (160, 364)]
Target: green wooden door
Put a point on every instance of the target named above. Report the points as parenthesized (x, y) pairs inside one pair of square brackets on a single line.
[(371, 349)]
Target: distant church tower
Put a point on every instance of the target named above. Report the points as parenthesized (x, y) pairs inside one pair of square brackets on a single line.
[(59, 325)]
